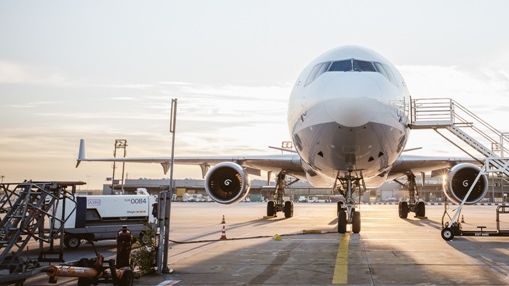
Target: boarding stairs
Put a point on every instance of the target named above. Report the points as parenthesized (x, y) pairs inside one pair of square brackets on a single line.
[(490, 144), (31, 211)]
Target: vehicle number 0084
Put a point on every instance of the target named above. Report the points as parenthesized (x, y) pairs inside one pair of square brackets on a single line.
[(138, 201)]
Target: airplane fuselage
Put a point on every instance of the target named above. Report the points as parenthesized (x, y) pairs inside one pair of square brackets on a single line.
[(348, 112)]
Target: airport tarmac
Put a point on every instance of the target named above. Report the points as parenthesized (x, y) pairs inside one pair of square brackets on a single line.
[(388, 251)]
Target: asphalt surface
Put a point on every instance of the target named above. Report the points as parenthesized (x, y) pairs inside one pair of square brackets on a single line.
[(274, 251)]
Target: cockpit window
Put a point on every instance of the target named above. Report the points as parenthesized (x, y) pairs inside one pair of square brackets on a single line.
[(345, 65), (316, 71), (385, 71), (380, 68), (350, 65), (363, 66)]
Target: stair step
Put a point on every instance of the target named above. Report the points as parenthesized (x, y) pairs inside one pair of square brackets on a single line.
[(435, 113)]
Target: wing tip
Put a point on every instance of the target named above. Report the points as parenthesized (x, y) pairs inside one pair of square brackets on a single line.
[(81, 153)]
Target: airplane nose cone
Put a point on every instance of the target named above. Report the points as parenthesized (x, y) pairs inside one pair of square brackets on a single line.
[(351, 112), (351, 99)]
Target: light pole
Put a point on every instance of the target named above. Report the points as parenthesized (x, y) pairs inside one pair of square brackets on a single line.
[(165, 201)]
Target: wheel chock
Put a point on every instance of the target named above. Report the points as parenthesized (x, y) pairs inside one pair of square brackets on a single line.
[(276, 237)]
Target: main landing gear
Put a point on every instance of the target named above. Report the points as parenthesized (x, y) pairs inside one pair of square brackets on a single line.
[(278, 204), (413, 204), (347, 185)]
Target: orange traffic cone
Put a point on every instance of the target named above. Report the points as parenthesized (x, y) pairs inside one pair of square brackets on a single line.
[(223, 232)]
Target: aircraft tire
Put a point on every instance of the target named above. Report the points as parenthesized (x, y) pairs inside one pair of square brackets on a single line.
[(288, 209), (340, 206), (342, 221), (271, 208), (420, 209), (403, 209), (356, 222)]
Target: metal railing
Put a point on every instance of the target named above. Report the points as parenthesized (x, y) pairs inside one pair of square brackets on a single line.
[(436, 113), (33, 211)]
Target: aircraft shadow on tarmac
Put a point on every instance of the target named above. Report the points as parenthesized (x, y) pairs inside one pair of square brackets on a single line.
[(312, 259), (424, 222), (485, 250)]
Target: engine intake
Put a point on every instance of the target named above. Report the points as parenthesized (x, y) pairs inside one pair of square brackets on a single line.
[(459, 180), (227, 182)]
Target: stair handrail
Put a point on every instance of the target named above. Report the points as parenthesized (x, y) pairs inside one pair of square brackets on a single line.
[(483, 122), (501, 137), (482, 133)]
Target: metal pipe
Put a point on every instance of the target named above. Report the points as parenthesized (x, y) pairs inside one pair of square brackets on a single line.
[(71, 271), (81, 272)]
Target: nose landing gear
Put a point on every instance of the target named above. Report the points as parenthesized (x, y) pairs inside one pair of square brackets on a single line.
[(347, 185)]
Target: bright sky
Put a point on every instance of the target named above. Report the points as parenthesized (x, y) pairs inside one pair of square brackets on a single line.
[(102, 70)]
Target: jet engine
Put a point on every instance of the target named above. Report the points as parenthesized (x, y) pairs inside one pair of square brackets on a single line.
[(459, 180), (227, 182)]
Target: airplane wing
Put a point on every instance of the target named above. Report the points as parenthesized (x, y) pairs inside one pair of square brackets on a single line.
[(291, 163), (417, 164), (275, 163)]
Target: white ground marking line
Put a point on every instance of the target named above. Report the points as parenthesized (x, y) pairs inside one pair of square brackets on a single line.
[(168, 282)]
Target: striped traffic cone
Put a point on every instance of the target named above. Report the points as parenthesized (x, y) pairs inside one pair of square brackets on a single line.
[(223, 232)]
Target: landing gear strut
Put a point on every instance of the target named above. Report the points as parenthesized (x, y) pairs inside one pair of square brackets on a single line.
[(413, 204), (278, 204), (347, 184)]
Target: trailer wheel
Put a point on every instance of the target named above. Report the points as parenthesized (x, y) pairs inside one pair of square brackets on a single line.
[(127, 278), (71, 241), (84, 281), (447, 234)]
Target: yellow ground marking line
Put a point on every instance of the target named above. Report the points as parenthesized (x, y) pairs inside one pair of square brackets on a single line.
[(341, 268), (313, 231)]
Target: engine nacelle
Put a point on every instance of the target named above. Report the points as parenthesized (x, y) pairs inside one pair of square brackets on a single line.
[(459, 180), (227, 182)]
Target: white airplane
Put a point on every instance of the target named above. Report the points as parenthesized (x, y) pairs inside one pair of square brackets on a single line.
[(348, 119)]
